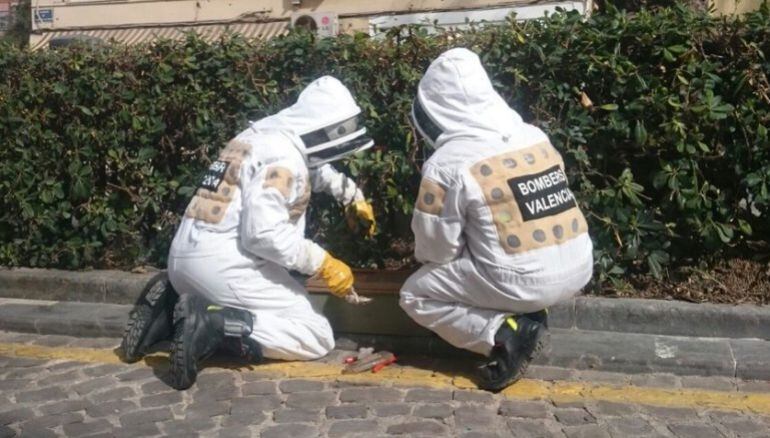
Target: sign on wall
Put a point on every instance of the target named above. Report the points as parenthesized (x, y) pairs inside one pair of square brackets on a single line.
[(43, 15)]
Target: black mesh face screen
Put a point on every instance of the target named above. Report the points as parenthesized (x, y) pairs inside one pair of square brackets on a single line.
[(340, 149), (333, 132), (426, 125)]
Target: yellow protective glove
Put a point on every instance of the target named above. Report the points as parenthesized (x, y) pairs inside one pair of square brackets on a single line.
[(361, 212), (337, 276)]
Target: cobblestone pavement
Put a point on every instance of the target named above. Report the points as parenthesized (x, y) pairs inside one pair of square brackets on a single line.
[(44, 392)]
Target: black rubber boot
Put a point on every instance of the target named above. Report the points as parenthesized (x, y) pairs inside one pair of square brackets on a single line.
[(150, 321), (541, 317), (519, 340), (200, 329)]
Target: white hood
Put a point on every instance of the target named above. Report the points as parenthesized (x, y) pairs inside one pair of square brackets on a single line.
[(458, 99), (322, 123)]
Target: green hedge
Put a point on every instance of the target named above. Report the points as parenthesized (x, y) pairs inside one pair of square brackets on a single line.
[(101, 147)]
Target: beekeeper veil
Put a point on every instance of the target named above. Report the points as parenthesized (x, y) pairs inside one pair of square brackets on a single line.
[(325, 121), (455, 98)]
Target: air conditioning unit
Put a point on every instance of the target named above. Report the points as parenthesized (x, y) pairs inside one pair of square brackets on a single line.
[(324, 24)]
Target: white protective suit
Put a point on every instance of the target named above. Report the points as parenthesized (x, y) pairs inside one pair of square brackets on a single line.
[(244, 229), (497, 228)]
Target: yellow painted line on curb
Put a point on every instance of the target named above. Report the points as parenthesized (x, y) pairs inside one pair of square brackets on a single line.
[(526, 389)]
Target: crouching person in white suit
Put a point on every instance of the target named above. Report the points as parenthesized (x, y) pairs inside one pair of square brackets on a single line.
[(496, 225), (243, 232)]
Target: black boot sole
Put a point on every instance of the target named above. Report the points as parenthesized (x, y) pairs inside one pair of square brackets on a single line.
[(542, 344), (149, 315), (184, 366)]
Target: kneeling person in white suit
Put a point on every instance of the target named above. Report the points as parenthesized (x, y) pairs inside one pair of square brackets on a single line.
[(496, 225), (244, 231)]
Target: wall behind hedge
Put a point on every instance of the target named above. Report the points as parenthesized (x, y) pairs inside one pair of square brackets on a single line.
[(660, 116)]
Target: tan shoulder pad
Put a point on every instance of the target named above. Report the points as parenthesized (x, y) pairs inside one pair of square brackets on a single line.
[(279, 178), (431, 197)]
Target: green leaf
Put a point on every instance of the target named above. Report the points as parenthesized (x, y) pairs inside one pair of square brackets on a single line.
[(725, 232), (640, 133), (745, 227)]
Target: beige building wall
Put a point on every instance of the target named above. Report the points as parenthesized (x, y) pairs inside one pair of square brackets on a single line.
[(727, 7), (353, 13)]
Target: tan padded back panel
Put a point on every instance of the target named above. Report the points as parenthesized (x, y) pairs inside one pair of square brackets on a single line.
[(218, 186), (533, 177), (430, 198)]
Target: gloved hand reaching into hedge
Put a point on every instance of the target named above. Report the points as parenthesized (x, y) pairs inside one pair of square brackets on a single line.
[(339, 280), (360, 214)]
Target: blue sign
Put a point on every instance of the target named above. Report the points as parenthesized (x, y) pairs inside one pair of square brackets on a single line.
[(43, 15)]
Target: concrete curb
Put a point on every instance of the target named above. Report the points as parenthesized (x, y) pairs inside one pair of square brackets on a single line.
[(626, 315), (102, 286), (575, 349)]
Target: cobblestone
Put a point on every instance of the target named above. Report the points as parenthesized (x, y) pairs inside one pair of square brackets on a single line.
[(41, 395), (259, 388), (165, 399), (428, 395), (474, 417), (353, 427), (89, 428), (531, 428), (187, 427), (669, 412), (136, 375), (418, 427), (37, 432), (102, 370), (207, 409), (586, 431), (354, 395), (434, 410), (296, 416), (60, 398), (259, 403), (53, 420), (604, 408), (290, 431), (243, 417), (309, 400), (290, 386), (629, 426), (573, 417), (7, 432), (15, 415), (392, 409), (695, 431), (155, 387), (346, 411), (64, 406), (113, 395), (145, 416), (144, 429), (523, 409), (473, 396), (69, 377), (744, 426), (13, 384), (113, 408)]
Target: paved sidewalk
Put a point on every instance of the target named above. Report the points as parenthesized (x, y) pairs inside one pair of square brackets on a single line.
[(63, 386)]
